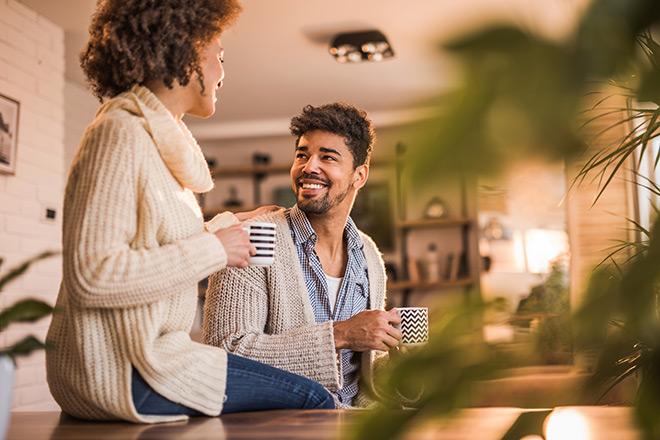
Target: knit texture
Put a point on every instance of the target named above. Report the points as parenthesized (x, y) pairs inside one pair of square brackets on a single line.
[(265, 314), (134, 249)]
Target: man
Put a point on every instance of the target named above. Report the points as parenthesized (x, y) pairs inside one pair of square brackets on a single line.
[(318, 311)]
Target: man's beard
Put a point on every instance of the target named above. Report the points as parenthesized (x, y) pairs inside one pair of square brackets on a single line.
[(322, 205)]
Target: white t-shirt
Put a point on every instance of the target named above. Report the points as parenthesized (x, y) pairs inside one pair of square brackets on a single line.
[(333, 290)]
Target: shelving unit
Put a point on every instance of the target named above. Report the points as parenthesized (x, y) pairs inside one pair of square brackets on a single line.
[(425, 285), (467, 272), (256, 173), (433, 222)]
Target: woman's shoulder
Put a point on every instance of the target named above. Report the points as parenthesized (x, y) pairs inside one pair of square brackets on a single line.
[(118, 127)]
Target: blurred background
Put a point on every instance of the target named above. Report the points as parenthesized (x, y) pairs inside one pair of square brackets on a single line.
[(487, 111)]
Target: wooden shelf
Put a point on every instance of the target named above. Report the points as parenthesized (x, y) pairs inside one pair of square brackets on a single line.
[(433, 222), (250, 170), (409, 285)]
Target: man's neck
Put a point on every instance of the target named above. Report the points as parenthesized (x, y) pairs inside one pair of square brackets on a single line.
[(331, 247)]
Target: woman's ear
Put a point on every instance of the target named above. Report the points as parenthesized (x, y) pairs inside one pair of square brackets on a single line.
[(360, 176)]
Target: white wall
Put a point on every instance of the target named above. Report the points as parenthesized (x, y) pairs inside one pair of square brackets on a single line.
[(80, 108), (32, 72)]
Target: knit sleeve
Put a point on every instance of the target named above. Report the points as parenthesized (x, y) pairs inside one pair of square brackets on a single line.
[(104, 265), (235, 318), (222, 220)]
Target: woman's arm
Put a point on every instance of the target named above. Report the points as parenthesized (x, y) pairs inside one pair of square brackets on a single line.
[(105, 263)]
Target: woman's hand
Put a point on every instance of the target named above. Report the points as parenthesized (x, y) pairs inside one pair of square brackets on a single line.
[(236, 242), (243, 216)]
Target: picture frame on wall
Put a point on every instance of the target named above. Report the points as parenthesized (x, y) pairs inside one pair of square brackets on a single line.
[(9, 110)]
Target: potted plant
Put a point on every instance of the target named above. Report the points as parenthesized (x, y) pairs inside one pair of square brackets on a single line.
[(26, 310), (548, 303)]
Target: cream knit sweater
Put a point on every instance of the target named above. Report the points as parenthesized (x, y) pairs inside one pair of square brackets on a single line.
[(135, 248), (265, 314)]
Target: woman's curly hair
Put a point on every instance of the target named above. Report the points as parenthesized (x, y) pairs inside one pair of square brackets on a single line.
[(135, 41), (342, 119)]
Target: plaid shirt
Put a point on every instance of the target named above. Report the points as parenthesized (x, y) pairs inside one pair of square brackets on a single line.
[(352, 297)]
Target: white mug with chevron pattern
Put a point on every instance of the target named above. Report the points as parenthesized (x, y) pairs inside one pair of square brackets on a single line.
[(414, 325)]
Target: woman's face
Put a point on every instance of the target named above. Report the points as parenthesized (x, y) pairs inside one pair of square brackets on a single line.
[(202, 104)]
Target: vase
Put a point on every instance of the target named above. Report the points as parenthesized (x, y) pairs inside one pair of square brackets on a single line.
[(6, 387)]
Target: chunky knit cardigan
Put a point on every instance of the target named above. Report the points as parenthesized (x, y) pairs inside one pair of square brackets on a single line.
[(265, 314), (134, 249)]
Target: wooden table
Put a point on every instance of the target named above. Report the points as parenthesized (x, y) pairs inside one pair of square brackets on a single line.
[(580, 423)]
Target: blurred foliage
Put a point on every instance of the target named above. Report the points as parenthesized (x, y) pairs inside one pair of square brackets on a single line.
[(523, 95), (27, 310), (553, 337), (640, 123), (520, 93), (620, 317), (444, 368)]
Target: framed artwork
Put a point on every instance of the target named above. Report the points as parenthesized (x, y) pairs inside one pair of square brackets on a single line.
[(8, 134)]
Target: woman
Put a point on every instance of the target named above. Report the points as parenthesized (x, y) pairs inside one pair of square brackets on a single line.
[(134, 243)]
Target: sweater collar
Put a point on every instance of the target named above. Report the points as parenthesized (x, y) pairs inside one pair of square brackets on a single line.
[(176, 145)]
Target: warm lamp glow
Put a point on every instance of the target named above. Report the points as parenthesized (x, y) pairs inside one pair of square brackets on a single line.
[(354, 47), (542, 246), (567, 424)]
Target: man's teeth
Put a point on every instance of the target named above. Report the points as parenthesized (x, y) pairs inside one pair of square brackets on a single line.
[(311, 186)]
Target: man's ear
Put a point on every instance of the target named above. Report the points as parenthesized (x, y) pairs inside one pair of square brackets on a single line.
[(360, 176)]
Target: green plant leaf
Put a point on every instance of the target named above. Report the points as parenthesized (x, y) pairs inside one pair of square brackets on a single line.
[(25, 347), (28, 310), (17, 271)]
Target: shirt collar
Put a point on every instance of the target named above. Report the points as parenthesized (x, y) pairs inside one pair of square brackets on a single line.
[(351, 231), (301, 228), (302, 231)]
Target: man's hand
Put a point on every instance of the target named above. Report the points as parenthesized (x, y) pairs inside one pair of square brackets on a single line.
[(368, 330)]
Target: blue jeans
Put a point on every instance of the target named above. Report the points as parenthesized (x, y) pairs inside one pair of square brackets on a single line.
[(251, 386)]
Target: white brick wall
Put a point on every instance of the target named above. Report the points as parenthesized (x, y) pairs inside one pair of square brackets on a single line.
[(32, 72)]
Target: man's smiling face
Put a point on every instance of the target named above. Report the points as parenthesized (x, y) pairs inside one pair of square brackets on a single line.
[(322, 174)]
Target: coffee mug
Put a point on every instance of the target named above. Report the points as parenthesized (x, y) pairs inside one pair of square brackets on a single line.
[(414, 325), (262, 236)]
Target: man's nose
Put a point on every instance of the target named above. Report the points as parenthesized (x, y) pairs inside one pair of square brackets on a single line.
[(312, 165)]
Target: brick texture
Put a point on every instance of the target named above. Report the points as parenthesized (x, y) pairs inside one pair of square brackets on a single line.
[(32, 73)]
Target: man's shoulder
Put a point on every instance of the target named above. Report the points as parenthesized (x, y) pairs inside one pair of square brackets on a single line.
[(276, 217), (368, 241)]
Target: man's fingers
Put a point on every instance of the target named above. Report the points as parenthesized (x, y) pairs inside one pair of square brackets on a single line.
[(394, 332), (393, 316), (390, 342)]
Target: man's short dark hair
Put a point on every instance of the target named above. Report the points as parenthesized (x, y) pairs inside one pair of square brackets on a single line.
[(342, 119)]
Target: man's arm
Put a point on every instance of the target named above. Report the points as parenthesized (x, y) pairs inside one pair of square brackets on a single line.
[(236, 316)]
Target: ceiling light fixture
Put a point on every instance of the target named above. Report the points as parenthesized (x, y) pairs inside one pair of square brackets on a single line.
[(353, 47)]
